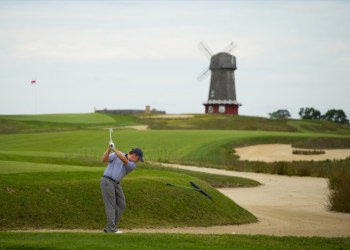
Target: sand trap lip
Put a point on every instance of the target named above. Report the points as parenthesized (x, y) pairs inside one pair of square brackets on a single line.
[(283, 152)]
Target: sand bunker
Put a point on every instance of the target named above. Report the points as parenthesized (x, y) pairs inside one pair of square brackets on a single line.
[(283, 152), (284, 205)]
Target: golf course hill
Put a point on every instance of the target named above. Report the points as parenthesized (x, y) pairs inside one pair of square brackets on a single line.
[(50, 166)]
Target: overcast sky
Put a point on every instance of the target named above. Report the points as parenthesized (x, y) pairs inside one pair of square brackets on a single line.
[(129, 54)]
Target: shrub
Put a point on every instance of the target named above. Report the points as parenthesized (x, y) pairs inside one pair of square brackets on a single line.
[(308, 152)]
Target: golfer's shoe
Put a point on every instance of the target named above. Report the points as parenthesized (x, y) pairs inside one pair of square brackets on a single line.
[(115, 232)]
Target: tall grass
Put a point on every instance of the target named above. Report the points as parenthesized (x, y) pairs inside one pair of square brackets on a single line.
[(339, 198)]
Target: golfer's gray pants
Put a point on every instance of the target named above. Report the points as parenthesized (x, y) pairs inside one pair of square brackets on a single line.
[(114, 200)]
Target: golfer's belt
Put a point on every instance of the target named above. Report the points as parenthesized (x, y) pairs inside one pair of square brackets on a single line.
[(105, 176)]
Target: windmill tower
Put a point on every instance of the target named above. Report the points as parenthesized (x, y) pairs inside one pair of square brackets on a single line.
[(222, 91)]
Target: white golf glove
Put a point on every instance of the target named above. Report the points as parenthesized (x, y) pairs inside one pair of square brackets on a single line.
[(111, 145)]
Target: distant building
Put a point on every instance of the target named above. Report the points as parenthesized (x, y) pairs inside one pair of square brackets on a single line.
[(147, 110), (222, 92)]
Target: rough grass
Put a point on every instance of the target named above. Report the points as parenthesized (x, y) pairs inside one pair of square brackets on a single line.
[(165, 241)]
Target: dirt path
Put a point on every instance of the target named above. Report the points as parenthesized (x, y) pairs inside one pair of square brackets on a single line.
[(295, 206)]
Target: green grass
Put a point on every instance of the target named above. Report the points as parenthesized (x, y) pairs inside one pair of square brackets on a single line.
[(37, 195), (165, 241)]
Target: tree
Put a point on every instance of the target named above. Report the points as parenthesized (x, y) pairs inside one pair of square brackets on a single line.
[(335, 115), (280, 114), (309, 113)]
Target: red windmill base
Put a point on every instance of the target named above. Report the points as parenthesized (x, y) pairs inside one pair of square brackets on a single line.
[(214, 107), (221, 109)]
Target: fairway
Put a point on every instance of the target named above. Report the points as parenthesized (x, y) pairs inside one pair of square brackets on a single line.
[(158, 145)]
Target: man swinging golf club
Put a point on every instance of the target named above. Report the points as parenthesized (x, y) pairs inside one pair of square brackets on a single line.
[(119, 165)]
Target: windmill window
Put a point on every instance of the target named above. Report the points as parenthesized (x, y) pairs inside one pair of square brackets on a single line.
[(222, 109), (212, 93), (210, 109)]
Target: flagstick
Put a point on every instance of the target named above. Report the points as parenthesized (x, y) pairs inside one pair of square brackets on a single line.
[(33, 82), (36, 99)]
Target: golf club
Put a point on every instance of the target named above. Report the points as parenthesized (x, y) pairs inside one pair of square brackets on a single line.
[(196, 188)]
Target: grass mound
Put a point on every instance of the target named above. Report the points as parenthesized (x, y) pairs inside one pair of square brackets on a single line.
[(60, 196)]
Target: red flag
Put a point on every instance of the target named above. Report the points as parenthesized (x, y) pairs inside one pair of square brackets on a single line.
[(33, 81)]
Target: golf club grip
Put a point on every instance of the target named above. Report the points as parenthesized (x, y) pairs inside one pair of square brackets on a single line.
[(200, 190)]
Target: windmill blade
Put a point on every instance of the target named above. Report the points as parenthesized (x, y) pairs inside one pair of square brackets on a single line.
[(230, 47), (205, 50), (203, 75)]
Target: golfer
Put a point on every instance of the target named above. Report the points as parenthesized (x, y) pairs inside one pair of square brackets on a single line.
[(119, 165)]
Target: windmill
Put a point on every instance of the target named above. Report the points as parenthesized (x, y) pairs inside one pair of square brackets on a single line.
[(222, 91)]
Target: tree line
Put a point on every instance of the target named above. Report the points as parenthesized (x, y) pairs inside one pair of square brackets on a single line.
[(309, 113)]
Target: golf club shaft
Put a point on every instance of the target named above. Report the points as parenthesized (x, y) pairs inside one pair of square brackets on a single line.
[(110, 134), (174, 185)]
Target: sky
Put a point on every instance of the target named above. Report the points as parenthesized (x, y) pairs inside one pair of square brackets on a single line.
[(129, 54)]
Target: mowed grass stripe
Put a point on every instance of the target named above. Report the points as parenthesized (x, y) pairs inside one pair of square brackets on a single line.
[(165, 241)]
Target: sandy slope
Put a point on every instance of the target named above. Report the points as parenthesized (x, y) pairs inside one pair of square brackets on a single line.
[(284, 206)]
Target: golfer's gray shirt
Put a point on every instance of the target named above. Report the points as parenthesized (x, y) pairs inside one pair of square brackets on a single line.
[(116, 168)]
